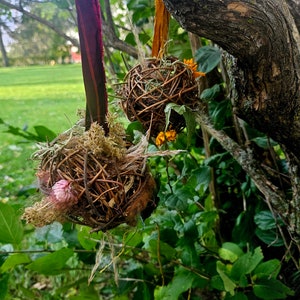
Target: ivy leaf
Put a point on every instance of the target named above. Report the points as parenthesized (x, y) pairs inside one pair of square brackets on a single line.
[(51, 264), (11, 228), (246, 264), (179, 198), (188, 115), (271, 289), (265, 220), (182, 281), (165, 250), (268, 269), (44, 134), (202, 177), (270, 237), (229, 285), (4, 279), (230, 252), (86, 291), (208, 58), (14, 260), (86, 239), (51, 233), (210, 93), (180, 109), (264, 142)]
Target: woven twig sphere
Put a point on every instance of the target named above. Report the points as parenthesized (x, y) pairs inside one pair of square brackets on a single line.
[(93, 180), (151, 85)]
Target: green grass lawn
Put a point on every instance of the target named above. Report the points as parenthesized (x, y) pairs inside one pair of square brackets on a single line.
[(29, 96)]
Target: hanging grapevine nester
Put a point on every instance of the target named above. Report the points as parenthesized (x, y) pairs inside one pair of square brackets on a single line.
[(90, 174), (155, 82)]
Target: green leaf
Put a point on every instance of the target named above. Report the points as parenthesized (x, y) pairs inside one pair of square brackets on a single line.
[(229, 285), (4, 278), (188, 252), (182, 281), (133, 239), (216, 282), (164, 250), (142, 289), (44, 134), (270, 237), (230, 252), (190, 123), (87, 292), (264, 142), (202, 175), (132, 128), (210, 93), (271, 289), (51, 233), (87, 239), (208, 58), (237, 296), (179, 198), (11, 227), (130, 39), (14, 260), (270, 268), (51, 264), (180, 109), (246, 264), (219, 112), (265, 220)]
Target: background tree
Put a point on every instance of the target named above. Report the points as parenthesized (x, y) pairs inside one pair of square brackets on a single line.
[(59, 17)]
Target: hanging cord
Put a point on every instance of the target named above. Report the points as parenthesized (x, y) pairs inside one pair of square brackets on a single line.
[(161, 29)]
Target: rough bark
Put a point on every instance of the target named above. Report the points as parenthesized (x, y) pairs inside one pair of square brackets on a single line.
[(263, 38), (262, 35), (294, 6)]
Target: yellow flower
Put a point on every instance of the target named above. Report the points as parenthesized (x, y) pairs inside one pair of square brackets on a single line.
[(171, 135), (160, 139), (163, 137), (193, 67)]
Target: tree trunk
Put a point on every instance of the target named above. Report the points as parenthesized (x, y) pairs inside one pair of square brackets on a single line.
[(3, 51), (262, 36)]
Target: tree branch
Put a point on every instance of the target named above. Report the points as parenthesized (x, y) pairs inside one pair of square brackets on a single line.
[(273, 195), (110, 36)]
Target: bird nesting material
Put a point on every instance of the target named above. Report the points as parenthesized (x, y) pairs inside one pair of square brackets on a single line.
[(151, 85), (91, 179)]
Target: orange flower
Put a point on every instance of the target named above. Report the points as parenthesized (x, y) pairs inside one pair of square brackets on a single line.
[(160, 139), (193, 67), (163, 137), (171, 135)]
